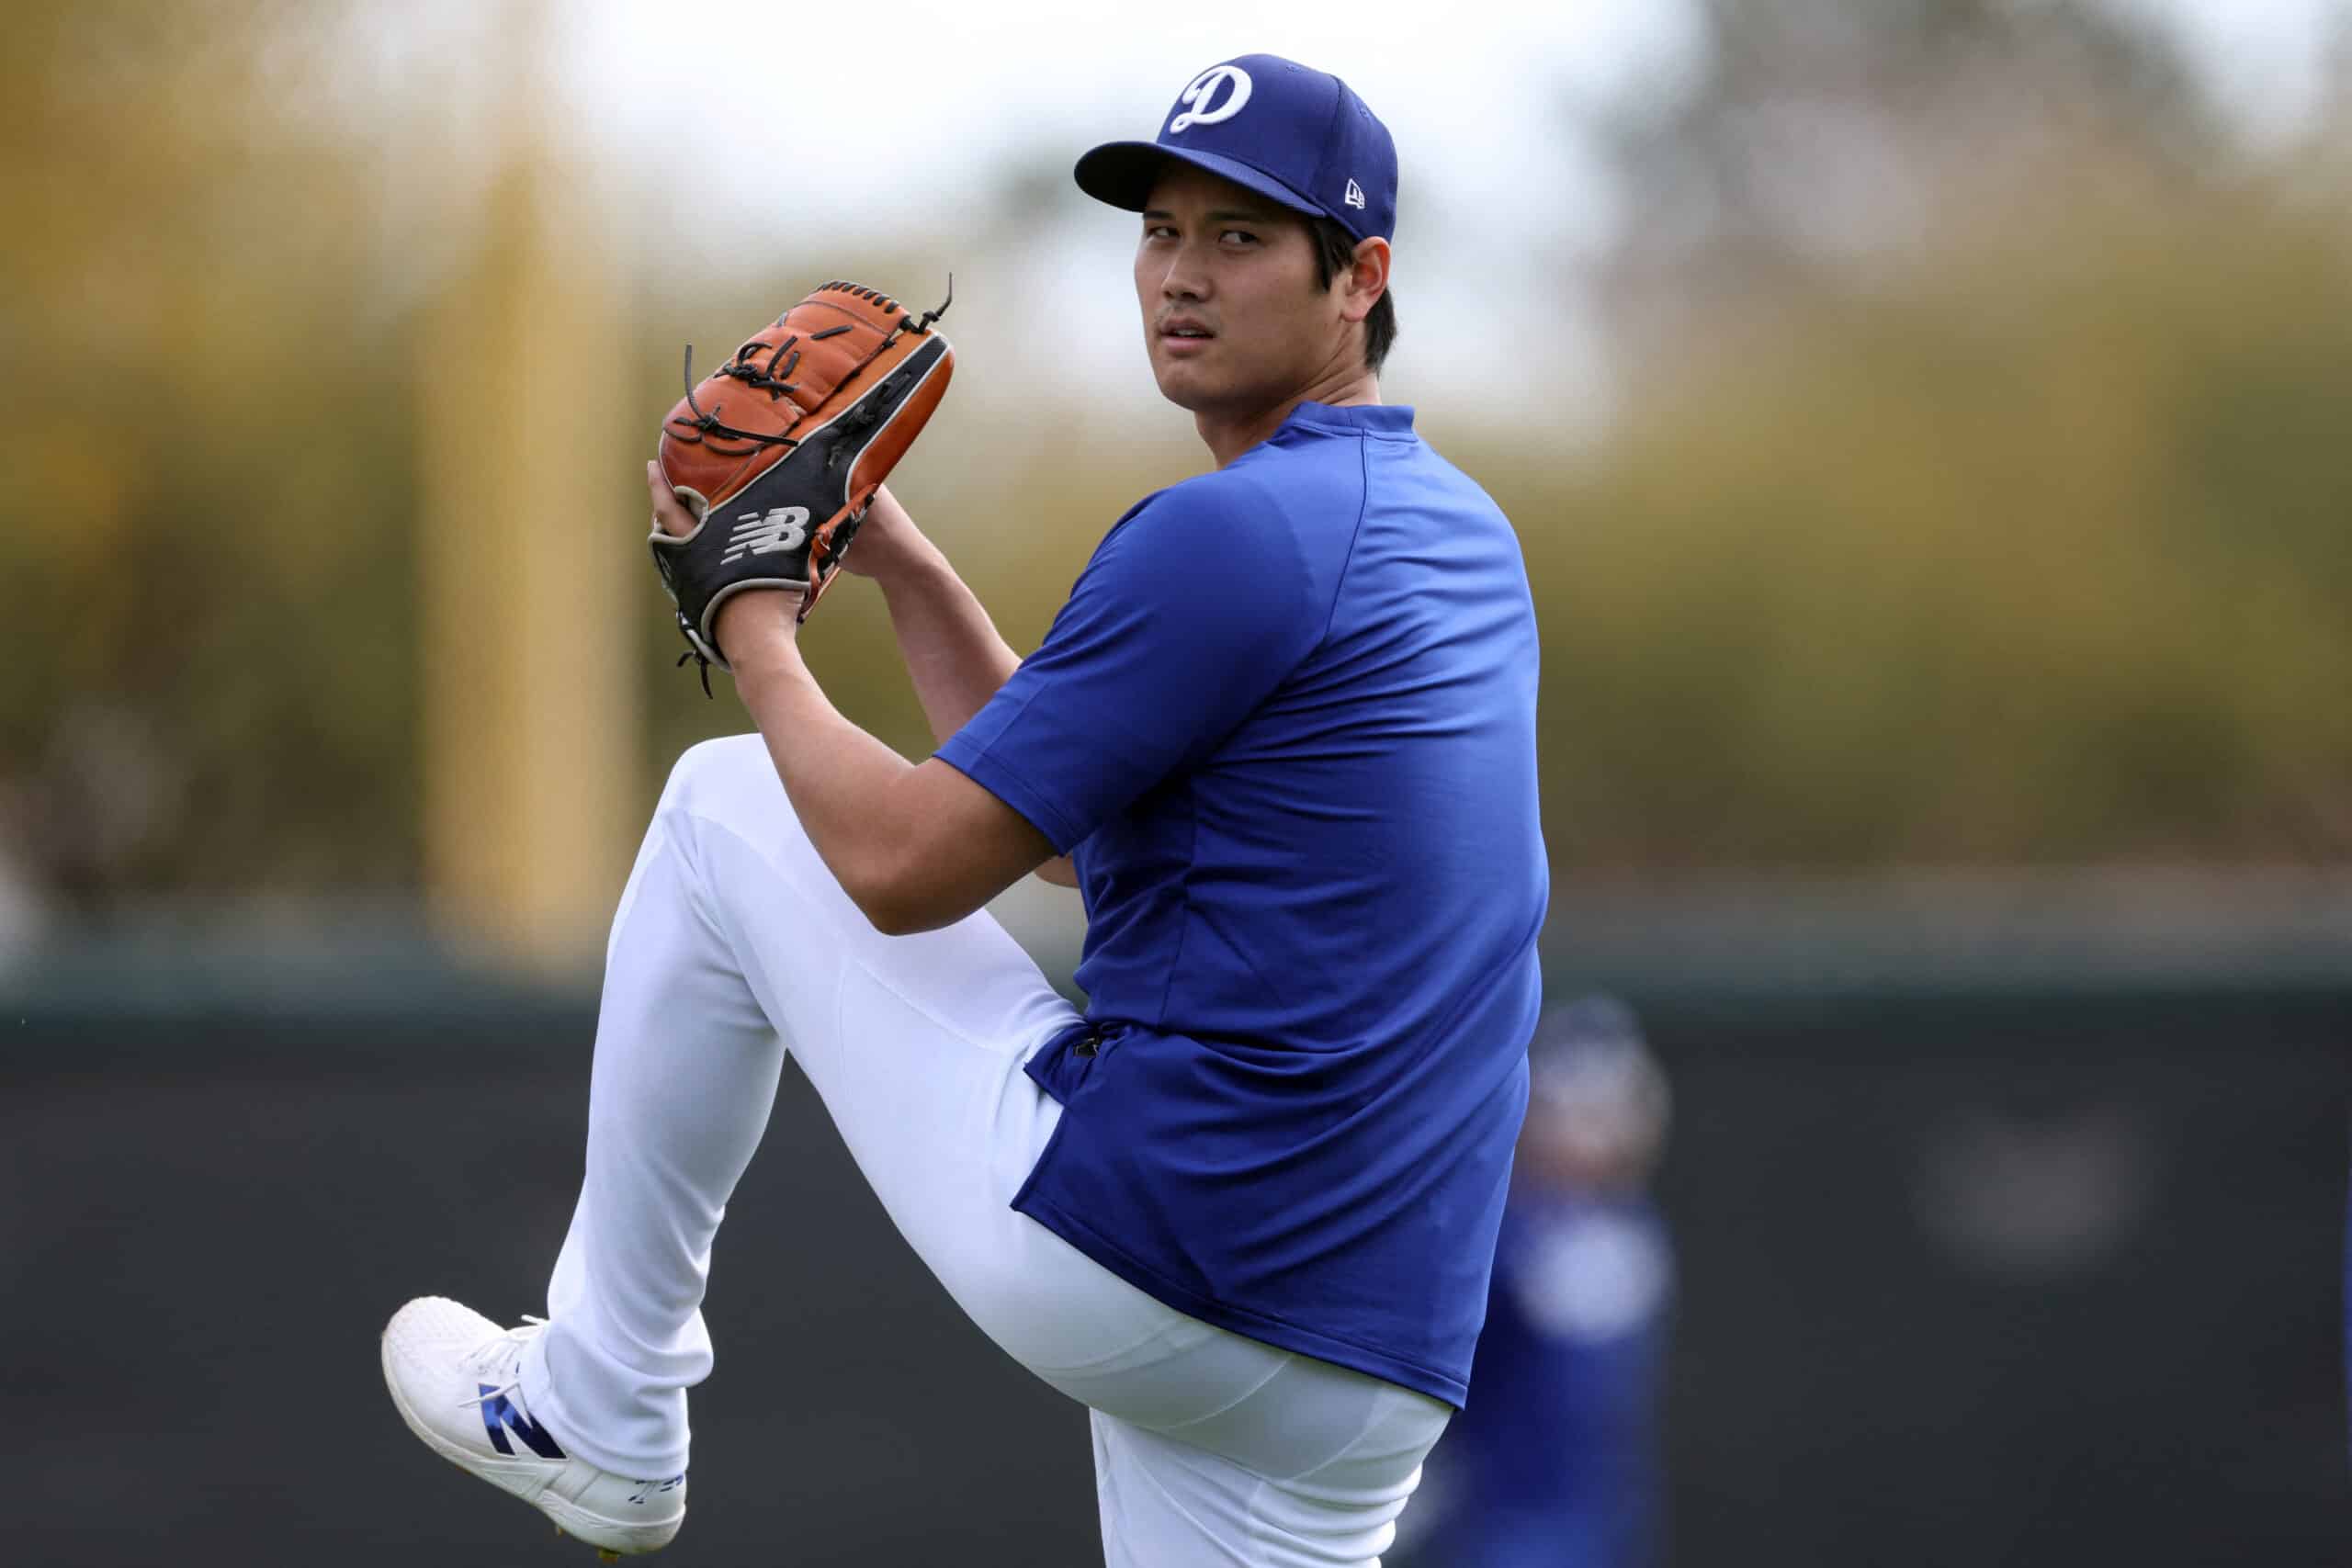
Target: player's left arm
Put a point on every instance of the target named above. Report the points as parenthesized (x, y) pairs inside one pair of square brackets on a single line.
[(954, 655), (916, 846)]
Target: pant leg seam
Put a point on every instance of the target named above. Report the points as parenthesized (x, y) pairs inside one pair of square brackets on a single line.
[(1280, 1367)]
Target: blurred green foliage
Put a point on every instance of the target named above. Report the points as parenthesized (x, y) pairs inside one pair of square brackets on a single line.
[(2028, 544), (2040, 552)]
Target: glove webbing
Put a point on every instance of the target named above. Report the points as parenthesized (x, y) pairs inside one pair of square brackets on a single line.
[(744, 368)]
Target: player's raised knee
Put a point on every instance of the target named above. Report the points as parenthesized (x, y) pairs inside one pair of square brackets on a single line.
[(712, 771)]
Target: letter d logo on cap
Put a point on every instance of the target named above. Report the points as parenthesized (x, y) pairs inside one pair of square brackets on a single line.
[(1201, 93)]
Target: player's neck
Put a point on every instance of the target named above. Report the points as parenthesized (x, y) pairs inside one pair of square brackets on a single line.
[(1229, 435)]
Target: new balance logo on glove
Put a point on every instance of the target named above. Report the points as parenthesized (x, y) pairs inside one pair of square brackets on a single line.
[(780, 529)]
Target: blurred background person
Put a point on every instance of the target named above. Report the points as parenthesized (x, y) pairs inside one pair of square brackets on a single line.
[(1557, 1462)]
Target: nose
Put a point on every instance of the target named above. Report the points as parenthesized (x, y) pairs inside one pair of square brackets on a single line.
[(1185, 278)]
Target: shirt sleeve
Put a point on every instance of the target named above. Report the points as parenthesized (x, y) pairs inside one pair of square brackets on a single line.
[(1194, 608)]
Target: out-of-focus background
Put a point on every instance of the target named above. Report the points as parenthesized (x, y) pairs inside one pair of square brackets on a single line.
[(1929, 426)]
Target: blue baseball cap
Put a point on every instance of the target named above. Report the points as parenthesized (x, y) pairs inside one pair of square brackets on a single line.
[(1294, 135)]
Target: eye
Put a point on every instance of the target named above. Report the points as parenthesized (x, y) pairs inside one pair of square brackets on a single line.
[(1158, 231), (1239, 236)]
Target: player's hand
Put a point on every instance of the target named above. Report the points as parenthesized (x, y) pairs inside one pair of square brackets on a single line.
[(751, 616), (888, 541), (670, 513)]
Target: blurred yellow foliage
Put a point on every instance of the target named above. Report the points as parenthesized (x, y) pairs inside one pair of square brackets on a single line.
[(204, 551)]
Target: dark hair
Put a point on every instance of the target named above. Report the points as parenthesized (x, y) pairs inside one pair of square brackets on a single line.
[(1335, 249)]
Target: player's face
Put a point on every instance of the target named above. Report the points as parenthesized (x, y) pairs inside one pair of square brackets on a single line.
[(1232, 316)]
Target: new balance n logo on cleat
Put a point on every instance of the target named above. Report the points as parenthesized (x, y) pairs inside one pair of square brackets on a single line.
[(499, 1416), (437, 1351), (781, 528)]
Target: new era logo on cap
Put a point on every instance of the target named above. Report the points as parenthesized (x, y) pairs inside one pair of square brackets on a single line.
[(1294, 135)]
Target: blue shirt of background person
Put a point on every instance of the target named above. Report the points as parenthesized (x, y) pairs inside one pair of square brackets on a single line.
[(1556, 1463), (1286, 723)]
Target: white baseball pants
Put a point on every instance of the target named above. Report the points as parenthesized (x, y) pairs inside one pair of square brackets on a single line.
[(733, 944)]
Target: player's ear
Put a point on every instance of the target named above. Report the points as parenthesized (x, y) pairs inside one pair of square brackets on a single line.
[(1364, 280)]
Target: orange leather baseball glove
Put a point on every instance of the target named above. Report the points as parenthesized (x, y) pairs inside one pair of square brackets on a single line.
[(778, 452)]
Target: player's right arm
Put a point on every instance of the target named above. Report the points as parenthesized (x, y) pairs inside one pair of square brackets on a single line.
[(954, 655)]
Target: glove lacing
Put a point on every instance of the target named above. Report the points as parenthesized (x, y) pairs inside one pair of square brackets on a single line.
[(744, 368)]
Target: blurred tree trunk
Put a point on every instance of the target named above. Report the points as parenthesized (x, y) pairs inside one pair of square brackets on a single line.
[(528, 624)]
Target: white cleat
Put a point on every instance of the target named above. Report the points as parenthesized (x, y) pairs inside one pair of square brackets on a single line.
[(452, 1373)]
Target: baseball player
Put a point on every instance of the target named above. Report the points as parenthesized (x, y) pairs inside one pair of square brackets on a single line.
[(1283, 737), (1557, 1464)]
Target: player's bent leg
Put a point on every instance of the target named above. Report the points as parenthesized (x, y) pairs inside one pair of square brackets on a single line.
[(915, 1044), (733, 940)]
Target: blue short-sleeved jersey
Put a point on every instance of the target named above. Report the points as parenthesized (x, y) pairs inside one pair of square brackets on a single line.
[(1286, 723)]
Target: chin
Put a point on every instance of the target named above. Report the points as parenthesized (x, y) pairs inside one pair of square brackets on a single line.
[(1182, 388)]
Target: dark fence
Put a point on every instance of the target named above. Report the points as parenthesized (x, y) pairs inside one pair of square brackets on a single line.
[(1986, 1259)]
